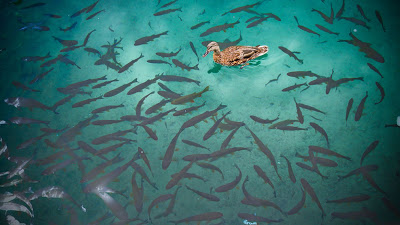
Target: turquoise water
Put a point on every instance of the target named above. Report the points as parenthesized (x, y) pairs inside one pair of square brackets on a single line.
[(243, 91)]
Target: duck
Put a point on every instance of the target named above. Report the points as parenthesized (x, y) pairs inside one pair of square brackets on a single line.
[(235, 55)]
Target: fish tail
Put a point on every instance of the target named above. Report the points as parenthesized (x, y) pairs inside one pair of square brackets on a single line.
[(205, 89), (196, 67)]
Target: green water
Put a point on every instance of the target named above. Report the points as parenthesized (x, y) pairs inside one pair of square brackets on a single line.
[(243, 91)]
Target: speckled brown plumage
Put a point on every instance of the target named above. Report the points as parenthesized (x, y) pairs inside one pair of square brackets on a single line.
[(235, 55)]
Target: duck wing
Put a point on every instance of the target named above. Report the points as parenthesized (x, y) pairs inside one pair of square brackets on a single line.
[(246, 51)]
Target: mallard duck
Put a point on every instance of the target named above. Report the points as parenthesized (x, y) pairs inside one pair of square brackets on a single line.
[(235, 55)]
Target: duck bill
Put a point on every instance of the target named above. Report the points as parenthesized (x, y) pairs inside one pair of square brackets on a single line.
[(205, 54)]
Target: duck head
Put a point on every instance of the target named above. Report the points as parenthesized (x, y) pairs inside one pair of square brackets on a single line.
[(212, 46)]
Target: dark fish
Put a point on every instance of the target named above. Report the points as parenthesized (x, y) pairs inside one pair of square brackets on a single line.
[(356, 21), (105, 122), (382, 92), (369, 149), (92, 50), (168, 4), (305, 28), (355, 198), (91, 7), (87, 38), (143, 85), (145, 40), (325, 17), (302, 74), (281, 124), (294, 87), (340, 12), (119, 89), (170, 151), (36, 58), (290, 128), (51, 61), (70, 27), (113, 136), (273, 80), (362, 12), (355, 215), (325, 29), (159, 200), (290, 53), (199, 25), (219, 28), (360, 108), (325, 151), (320, 130), (79, 12), (194, 50), (66, 61), (158, 62), (34, 5), (349, 105), (129, 64), (197, 119), (214, 127), (23, 120), (140, 103), (116, 208), (259, 21), (364, 47), (300, 116), (299, 205), (40, 76), (290, 170), (264, 176), (167, 11), (304, 106), (307, 187), (263, 121), (210, 166), (178, 176), (178, 79), (379, 17), (194, 144), (67, 43), (104, 84), (242, 8), (188, 110), (157, 106), (85, 102), (204, 195), (183, 66), (80, 84), (26, 102), (271, 15), (95, 14), (68, 49), (171, 54), (372, 67), (225, 44), (230, 185)]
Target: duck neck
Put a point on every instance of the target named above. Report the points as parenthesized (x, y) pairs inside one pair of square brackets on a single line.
[(217, 52)]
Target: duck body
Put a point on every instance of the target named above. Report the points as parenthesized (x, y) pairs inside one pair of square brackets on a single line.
[(235, 55)]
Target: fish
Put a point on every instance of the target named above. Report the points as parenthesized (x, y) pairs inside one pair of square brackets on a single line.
[(379, 17), (141, 171), (340, 12), (52, 192), (242, 8), (69, 28), (364, 47), (307, 187), (290, 53), (362, 214), (167, 11), (349, 105), (68, 49), (355, 198), (230, 185), (281, 124), (113, 136), (290, 170), (191, 143), (299, 205), (214, 127), (271, 15), (320, 130), (158, 62), (197, 119), (145, 40), (199, 24), (157, 106), (219, 28), (362, 12), (210, 166), (52, 15), (66, 61), (168, 4), (259, 21), (166, 55), (362, 169), (264, 149), (67, 43), (273, 80), (87, 39), (188, 110), (304, 106), (252, 217), (10, 206), (372, 67), (113, 205), (294, 87), (157, 201), (290, 128), (129, 64), (51, 61), (189, 98), (137, 193), (325, 29), (85, 102), (326, 151), (36, 58), (325, 17), (23, 86), (226, 43), (204, 195), (34, 5), (264, 176), (95, 14), (360, 108), (369, 149), (305, 28), (263, 121), (381, 91), (155, 118), (228, 139), (303, 74), (300, 116), (171, 205), (170, 151), (194, 50), (178, 176), (105, 122), (24, 120), (140, 103), (208, 216), (104, 84), (356, 21), (54, 168), (145, 159), (183, 66), (178, 79), (91, 7), (80, 84), (119, 89), (26, 102), (40, 76)]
